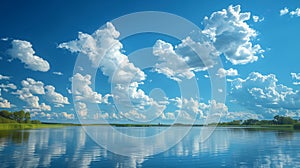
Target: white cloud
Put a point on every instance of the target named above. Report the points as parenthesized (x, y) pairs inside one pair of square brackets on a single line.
[(6, 87), (3, 77), (296, 12), (101, 116), (3, 102), (58, 73), (58, 99), (83, 91), (30, 91), (188, 57), (296, 77), (23, 50), (104, 51), (133, 115), (284, 11), (4, 39), (232, 36), (189, 109), (52, 115), (263, 93), (241, 115), (35, 87), (130, 99), (171, 64), (81, 109), (170, 116), (230, 72), (188, 105), (257, 19), (67, 116), (44, 107), (31, 100)]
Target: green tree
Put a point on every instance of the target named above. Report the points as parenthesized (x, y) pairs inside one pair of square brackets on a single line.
[(6, 114), (27, 117), (15, 116), (276, 119), (283, 120), (35, 122), (19, 116), (251, 122), (287, 120)]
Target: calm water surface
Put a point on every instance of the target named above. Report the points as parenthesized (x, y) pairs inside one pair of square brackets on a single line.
[(227, 147)]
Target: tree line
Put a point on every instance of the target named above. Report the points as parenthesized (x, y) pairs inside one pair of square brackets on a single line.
[(17, 116), (277, 120)]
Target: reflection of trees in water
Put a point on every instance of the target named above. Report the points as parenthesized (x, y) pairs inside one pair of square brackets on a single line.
[(285, 135), (17, 137)]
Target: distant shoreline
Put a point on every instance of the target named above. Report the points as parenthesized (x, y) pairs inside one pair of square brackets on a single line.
[(17, 126)]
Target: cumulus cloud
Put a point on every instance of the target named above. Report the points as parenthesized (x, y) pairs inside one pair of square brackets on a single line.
[(225, 32), (189, 109), (103, 49), (284, 11), (207, 112), (296, 12), (67, 115), (169, 116), (231, 35), (101, 116), (130, 100), (133, 115), (230, 72), (58, 99), (31, 100), (186, 58), (35, 87), (188, 106), (24, 52), (83, 91), (241, 115), (3, 77), (81, 109), (292, 13), (52, 115), (171, 64), (30, 91), (6, 87), (262, 92), (3, 102)]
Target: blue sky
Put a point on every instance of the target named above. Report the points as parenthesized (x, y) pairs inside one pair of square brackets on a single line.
[(255, 41)]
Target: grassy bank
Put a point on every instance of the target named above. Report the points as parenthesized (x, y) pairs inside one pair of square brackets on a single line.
[(11, 126)]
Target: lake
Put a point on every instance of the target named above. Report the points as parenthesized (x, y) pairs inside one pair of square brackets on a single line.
[(226, 147)]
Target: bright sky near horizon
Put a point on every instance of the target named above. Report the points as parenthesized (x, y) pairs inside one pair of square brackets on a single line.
[(257, 42)]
